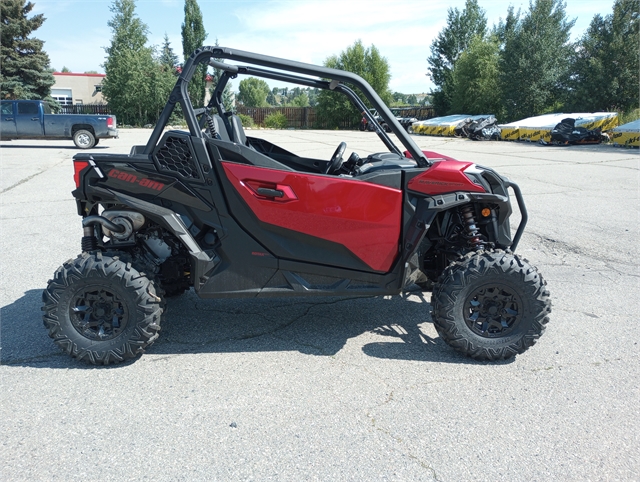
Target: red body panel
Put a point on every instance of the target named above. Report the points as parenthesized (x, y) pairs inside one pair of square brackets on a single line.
[(363, 217), (431, 155), (444, 176)]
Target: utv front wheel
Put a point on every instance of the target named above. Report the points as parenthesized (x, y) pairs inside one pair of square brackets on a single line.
[(101, 309), (490, 305)]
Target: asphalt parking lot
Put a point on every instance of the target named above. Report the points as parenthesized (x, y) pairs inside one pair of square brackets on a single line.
[(335, 389)]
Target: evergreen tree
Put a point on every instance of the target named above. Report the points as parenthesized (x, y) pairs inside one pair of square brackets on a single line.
[(335, 108), (24, 66), (165, 77), (253, 92), (476, 79), (167, 56), (135, 85), (447, 47), (535, 60), (605, 64), (161, 81), (193, 37), (227, 94)]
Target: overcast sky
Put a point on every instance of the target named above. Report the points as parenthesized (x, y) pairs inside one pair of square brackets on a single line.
[(76, 31)]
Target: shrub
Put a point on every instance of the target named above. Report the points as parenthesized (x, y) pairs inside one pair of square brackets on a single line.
[(277, 120), (628, 116), (247, 120)]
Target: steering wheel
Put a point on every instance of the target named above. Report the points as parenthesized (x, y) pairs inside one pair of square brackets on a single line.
[(336, 160)]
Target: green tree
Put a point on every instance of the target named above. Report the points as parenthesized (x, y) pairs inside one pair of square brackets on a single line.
[(447, 47), (193, 37), (300, 100), (162, 79), (227, 94), (253, 92), (412, 99), (167, 55), (535, 60), (399, 98), (476, 79), (24, 66), (313, 96), (64, 69), (506, 27), (271, 97), (334, 108), (605, 64), (135, 85)]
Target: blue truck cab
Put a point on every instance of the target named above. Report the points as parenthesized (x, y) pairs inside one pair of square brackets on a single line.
[(33, 119)]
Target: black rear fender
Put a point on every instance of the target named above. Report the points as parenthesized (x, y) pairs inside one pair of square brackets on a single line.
[(203, 261)]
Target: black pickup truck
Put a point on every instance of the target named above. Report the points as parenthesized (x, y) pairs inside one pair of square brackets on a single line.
[(33, 119)]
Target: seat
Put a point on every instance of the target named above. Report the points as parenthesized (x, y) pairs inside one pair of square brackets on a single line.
[(238, 132), (223, 135)]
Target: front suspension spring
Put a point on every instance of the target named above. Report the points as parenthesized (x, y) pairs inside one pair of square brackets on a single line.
[(473, 233)]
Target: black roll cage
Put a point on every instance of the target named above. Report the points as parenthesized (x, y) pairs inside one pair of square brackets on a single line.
[(338, 79)]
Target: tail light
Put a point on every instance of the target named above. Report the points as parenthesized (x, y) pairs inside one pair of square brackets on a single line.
[(111, 122), (78, 167)]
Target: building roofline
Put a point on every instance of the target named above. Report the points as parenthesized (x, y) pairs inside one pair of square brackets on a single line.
[(71, 74)]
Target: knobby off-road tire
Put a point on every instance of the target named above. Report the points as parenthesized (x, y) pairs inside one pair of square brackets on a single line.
[(490, 305), (100, 309), (126, 257)]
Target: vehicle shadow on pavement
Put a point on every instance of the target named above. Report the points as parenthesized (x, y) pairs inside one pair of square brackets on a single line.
[(397, 327)]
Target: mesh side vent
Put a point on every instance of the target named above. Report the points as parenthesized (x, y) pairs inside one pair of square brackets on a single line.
[(175, 156)]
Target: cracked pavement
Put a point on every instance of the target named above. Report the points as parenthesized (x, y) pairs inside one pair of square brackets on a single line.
[(335, 388)]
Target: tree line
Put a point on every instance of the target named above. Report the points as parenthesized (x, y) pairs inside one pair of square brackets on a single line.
[(139, 78), (254, 92), (524, 66), (527, 66)]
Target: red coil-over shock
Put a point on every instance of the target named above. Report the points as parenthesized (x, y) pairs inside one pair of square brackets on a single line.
[(473, 233)]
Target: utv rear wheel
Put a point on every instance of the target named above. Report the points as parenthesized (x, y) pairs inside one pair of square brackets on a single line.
[(490, 305), (84, 139), (101, 309)]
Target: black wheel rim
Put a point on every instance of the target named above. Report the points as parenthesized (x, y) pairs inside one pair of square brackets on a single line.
[(493, 311), (98, 314)]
